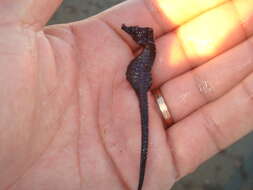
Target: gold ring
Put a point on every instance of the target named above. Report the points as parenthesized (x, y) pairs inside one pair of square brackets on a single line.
[(163, 108)]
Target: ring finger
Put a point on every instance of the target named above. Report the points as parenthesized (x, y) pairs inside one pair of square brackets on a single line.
[(190, 91)]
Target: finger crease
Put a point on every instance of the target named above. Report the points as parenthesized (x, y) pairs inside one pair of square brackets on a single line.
[(190, 64), (248, 91), (211, 128), (173, 157), (150, 9), (239, 19)]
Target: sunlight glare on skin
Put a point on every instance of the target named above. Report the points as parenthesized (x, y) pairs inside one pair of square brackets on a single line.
[(211, 33), (174, 55), (180, 11)]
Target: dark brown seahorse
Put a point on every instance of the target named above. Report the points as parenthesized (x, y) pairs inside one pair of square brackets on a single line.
[(139, 76)]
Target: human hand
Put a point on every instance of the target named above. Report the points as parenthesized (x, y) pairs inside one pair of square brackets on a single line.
[(70, 120)]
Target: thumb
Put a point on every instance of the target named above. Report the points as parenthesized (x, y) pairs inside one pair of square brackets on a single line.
[(31, 13)]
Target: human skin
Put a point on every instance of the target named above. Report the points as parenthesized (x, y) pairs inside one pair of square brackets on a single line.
[(70, 120)]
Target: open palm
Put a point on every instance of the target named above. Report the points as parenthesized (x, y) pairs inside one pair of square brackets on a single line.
[(70, 120)]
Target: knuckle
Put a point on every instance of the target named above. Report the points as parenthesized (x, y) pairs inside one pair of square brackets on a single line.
[(203, 86)]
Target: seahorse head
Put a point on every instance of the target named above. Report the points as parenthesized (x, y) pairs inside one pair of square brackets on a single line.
[(141, 35)]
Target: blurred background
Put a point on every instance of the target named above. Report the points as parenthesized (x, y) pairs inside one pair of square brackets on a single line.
[(232, 169)]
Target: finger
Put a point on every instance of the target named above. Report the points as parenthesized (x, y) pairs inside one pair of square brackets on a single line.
[(190, 91), (31, 13), (161, 15), (212, 128), (194, 43), (201, 42), (245, 12)]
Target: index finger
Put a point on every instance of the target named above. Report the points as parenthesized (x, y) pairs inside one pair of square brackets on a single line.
[(162, 15)]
